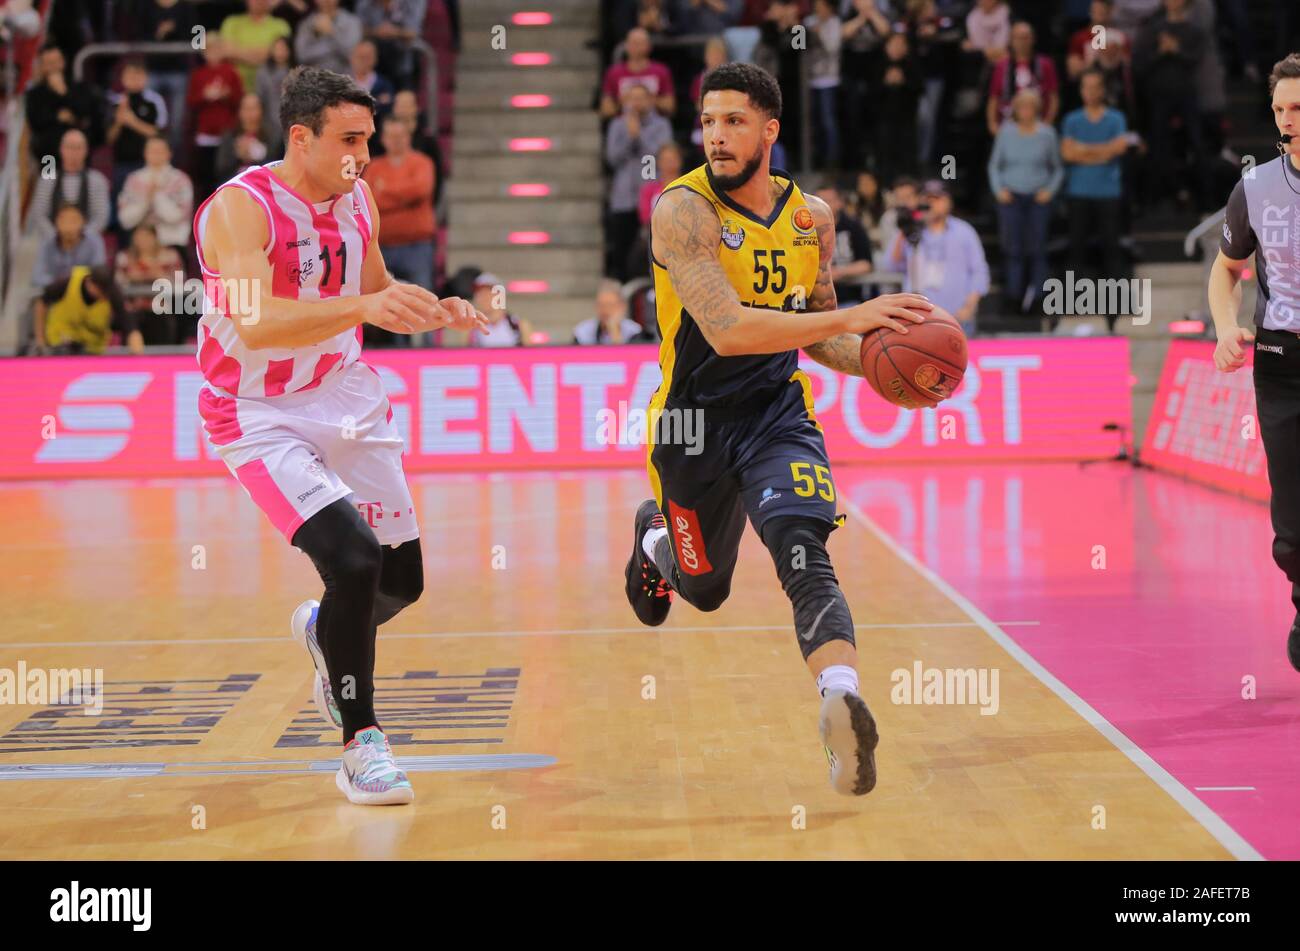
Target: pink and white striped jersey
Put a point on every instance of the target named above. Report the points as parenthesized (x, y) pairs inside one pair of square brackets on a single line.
[(316, 251)]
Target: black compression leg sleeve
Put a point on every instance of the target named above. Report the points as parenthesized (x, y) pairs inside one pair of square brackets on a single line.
[(348, 557), (821, 613), (401, 580)]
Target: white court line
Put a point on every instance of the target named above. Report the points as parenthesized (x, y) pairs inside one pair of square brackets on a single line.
[(1224, 788), (1211, 821), (434, 635)]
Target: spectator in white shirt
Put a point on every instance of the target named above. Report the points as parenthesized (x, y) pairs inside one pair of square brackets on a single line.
[(988, 29), (160, 195)]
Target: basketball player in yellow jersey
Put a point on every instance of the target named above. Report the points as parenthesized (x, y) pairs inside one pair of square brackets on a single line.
[(741, 263)]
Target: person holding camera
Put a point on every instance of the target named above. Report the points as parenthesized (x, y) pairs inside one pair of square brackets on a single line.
[(941, 255)]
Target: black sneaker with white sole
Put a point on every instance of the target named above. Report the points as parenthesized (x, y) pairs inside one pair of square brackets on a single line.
[(647, 591)]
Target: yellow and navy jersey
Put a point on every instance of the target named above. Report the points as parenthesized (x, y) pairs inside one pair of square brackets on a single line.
[(771, 262)]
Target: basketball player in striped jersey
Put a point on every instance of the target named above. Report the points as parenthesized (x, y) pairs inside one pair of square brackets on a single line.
[(741, 261), (291, 272)]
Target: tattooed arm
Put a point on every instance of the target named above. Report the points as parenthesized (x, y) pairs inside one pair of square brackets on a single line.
[(685, 233), (843, 351)]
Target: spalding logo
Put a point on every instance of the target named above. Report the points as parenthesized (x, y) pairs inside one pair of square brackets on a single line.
[(803, 220)]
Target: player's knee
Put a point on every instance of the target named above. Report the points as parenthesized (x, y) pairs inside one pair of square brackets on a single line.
[(798, 549), (358, 560), (708, 599), (342, 546), (403, 574)]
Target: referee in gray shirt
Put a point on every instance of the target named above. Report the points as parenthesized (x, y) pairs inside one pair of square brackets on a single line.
[(1263, 218)]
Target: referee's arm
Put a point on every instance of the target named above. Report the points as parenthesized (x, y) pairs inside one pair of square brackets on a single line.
[(1225, 283)]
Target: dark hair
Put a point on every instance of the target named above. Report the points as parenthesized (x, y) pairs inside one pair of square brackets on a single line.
[(1092, 71), (102, 277), (906, 181), (1288, 68), (754, 82), (65, 205), (134, 62), (308, 91), (288, 45)]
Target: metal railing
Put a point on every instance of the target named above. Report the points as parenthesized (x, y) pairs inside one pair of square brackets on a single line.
[(10, 194), (1193, 237)]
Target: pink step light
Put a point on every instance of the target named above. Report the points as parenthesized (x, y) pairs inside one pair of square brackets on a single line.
[(530, 145), (529, 190), (528, 287), (529, 237)]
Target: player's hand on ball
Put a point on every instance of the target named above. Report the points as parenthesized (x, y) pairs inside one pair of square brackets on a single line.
[(404, 309), (459, 314), (894, 311), (1228, 353)]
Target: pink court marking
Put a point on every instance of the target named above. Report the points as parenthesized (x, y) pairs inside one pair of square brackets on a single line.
[(1155, 598)]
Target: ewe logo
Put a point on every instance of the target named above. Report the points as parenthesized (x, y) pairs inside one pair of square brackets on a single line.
[(690, 546), (111, 424)]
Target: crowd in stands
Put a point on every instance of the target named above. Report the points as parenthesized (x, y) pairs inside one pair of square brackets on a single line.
[(167, 128), (1017, 111), (1025, 115)]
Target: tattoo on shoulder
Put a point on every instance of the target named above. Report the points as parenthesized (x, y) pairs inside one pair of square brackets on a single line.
[(823, 292), (686, 233)]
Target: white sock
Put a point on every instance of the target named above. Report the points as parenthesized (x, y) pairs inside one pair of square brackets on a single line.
[(837, 677), (650, 539)]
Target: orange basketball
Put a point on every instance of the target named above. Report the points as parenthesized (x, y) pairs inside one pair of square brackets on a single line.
[(919, 368)]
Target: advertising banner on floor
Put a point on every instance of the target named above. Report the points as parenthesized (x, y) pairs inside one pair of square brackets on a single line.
[(1203, 423)]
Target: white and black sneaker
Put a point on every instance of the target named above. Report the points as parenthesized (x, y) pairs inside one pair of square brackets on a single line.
[(849, 737), (303, 626)]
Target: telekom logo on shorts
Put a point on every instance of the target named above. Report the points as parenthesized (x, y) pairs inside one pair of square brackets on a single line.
[(93, 425), (372, 512), (691, 555)]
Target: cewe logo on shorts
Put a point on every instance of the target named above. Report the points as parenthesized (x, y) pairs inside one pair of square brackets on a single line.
[(691, 557)]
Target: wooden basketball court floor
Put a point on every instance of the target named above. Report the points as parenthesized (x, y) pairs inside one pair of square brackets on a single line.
[(535, 717)]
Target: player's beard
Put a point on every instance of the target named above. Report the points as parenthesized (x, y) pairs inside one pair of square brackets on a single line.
[(728, 183)]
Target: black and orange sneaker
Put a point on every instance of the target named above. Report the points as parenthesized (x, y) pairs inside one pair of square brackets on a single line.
[(647, 591)]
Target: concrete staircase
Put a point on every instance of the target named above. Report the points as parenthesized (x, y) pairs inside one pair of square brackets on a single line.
[(481, 212)]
